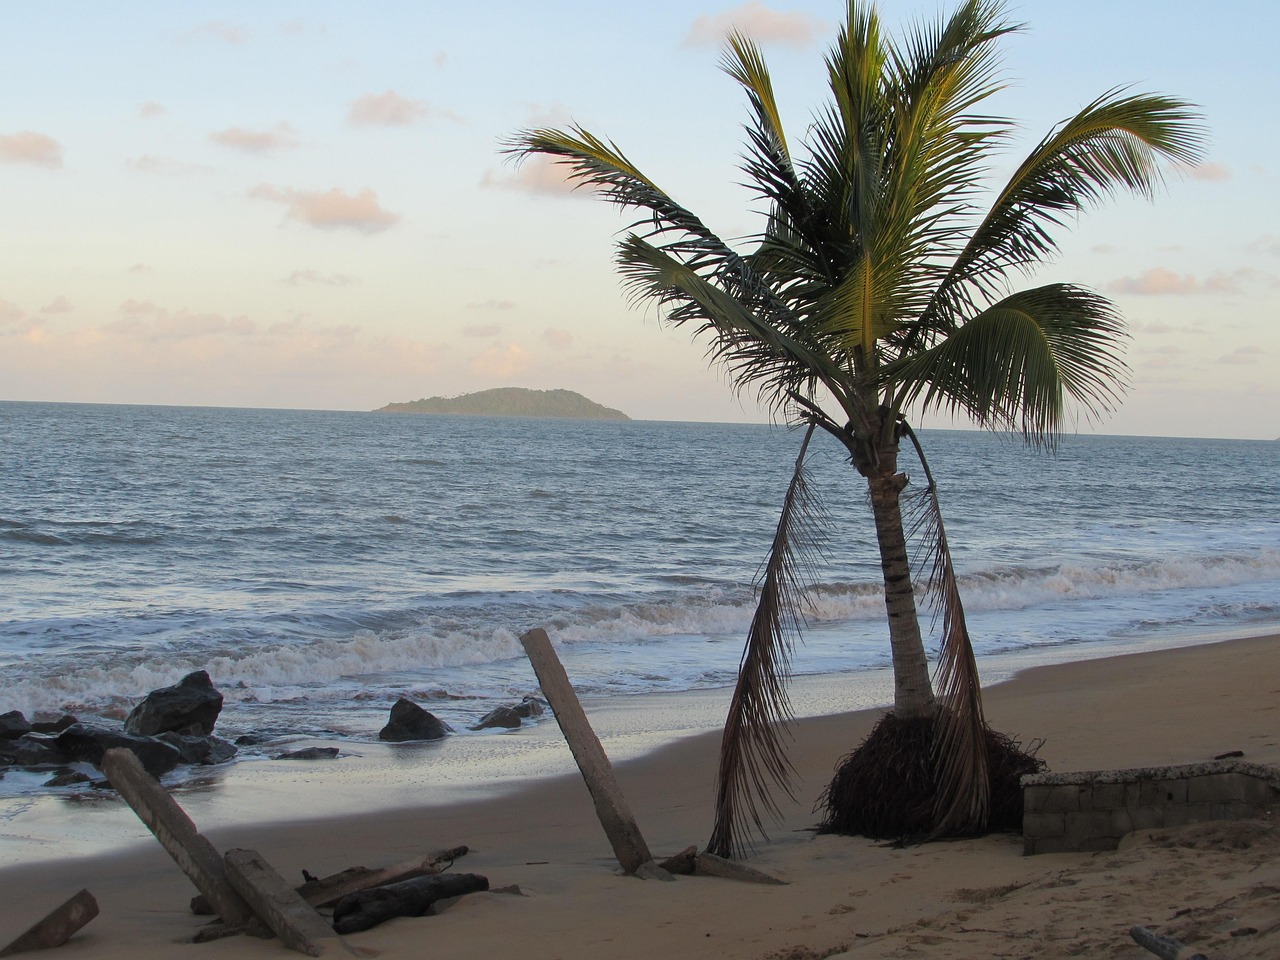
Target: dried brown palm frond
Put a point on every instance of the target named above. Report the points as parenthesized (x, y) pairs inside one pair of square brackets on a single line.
[(962, 802), (753, 756)]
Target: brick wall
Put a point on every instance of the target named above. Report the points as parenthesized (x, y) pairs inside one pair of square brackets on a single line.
[(1093, 810)]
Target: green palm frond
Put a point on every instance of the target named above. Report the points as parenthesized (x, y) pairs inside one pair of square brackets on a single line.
[(752, 753), (1014, 365), (960, 746), (1115, 143)]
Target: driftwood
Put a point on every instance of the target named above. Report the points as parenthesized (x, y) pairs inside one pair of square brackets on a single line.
[(709, 865), (57, 927), (329, 890), (176, 833), (611, 806), (409, 898), (1166, 948), (294, 920), (685, 862)]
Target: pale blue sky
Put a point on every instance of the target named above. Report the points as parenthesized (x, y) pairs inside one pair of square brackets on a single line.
[(304, 204)]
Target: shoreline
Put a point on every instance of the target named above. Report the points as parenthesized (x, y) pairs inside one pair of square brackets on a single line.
[(468, 768), (1164, 706)]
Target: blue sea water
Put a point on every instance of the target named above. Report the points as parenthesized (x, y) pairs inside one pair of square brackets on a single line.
[(321, 564)]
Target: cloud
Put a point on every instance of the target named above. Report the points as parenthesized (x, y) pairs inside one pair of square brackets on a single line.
[(560, 339), (257, 141), (1215, 172), (142, 320), (1247, 354), (537, 175), (501, 362), (223, 30), (142, 268), (390, 109), (1156, 282), (302, 28), (555, 114), (1267, 244), (1103, 248), (163, 166), (482, 330), (492, 305), (11, 313), (57, 305), (759, 22), (313, 276), (30, 147), (331, 209), (151, 109)]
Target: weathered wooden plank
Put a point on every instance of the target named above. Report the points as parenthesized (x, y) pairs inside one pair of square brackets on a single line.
[(708, 864), (275, 900), (176, 833), (57, 927), (611, 806)]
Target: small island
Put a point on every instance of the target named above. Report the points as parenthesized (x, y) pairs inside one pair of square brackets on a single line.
[(511, 402)]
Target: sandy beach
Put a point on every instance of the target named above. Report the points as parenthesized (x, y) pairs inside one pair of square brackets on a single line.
[(1207, 884)]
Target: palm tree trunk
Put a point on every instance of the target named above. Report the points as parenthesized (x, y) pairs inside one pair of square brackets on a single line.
[(912, 690)]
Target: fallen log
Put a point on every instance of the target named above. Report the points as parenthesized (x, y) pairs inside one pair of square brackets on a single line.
[(329, 890), (408, 898), (1166, 948), (685, 862), (57, 927)]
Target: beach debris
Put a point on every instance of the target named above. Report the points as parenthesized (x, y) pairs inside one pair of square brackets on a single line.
[(611, 806), (649, 870), (1229, 755), (88, 743), (709, 865), (57, 927), (1166, 948), (190, 706), (408, 721), (329, 890), (408, 898), (309, 753), (498, 717), (170, 824), (684, 863), (272, 898), (68, 778)]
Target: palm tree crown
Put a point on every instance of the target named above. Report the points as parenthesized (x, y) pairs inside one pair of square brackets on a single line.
[(883, 282)]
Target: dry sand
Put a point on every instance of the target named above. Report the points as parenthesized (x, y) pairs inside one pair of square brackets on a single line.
[(971, 899)]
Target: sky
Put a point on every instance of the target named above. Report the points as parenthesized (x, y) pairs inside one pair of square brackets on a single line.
[(306, 204)]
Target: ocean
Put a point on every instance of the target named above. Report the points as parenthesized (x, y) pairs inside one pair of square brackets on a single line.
[(319, 565)]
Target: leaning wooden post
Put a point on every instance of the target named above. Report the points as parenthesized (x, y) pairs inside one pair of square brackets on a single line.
[(177, 834), (611, 806), (290, 917)]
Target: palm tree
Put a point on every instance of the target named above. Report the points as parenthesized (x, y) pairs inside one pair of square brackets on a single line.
[(882, 283)]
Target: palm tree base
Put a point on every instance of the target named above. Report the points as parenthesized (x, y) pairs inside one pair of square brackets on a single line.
[(885, 789)]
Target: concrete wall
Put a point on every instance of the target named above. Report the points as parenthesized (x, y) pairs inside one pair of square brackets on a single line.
[(1093, 810)]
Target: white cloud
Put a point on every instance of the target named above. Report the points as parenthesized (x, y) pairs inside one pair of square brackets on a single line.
[(257, 141), (151, 109), (1156, 282), (27, 146), (538, 175), (58, 304), (223, 30), (763, 24), (331, 209), (390, 109)]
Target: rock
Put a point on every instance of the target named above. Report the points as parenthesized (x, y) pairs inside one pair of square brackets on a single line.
[(207, 751), (32, 750), (86, 742), (53, 726), (13, 725), (408, 721), (190, 706), (530, 707), (499, 717), (68, 779), (309, 753)]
